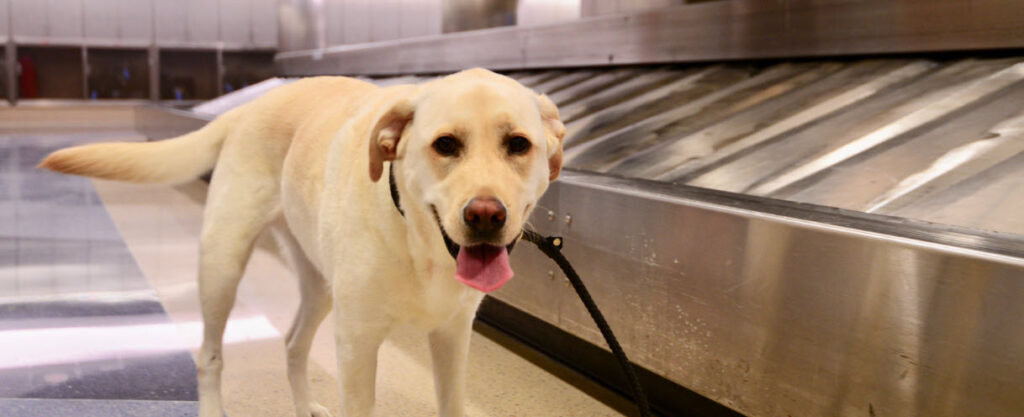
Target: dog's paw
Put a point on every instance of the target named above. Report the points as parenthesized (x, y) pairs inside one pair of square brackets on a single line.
[(317, 410)]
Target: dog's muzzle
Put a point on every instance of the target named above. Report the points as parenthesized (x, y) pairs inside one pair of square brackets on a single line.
[(453, 248)]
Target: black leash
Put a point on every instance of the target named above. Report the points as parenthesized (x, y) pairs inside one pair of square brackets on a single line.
[(552, 247)]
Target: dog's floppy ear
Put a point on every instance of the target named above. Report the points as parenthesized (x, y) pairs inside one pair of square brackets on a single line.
[(554, 131), (386, 133)]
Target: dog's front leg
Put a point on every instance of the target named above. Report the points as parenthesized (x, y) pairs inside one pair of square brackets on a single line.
[(449, 349), (358, 339)]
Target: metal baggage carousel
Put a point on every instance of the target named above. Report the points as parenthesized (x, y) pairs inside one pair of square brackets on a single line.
[(799, 238), (826, 237)]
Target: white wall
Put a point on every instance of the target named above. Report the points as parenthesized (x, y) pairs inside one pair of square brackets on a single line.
[(4, 28), (185, 23), (358, 21)]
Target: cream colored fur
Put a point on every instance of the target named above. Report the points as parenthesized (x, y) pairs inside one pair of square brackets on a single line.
[(304, 160)]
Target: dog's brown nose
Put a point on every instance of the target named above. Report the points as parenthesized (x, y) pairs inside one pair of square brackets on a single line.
[(484, 214)]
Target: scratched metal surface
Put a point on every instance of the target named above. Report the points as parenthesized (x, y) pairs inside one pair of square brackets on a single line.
[(927, 139), (935, 140), (774, 308)]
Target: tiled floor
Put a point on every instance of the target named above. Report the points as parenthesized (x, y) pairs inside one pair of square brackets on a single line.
[(98, 301), (77, 318)]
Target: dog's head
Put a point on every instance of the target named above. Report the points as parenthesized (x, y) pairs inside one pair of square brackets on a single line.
[(477, 150)]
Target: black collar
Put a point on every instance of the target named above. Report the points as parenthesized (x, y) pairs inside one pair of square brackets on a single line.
[(453, 249), (394, 188)]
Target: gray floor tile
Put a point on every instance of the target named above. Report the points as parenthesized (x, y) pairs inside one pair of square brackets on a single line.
[(10, 407)]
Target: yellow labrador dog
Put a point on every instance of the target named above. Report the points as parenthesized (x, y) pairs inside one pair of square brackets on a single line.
[(467, 156)]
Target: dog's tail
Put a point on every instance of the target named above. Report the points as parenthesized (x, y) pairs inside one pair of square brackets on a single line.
[(170, 161)]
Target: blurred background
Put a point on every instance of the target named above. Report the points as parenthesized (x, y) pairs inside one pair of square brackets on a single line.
[(187, 50), (785, 207)]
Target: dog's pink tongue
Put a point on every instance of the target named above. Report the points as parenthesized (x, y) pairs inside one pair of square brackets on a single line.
[(483, 267)]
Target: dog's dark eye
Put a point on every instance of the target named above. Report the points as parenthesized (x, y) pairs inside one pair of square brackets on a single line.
[(518, 145), (446, 146)]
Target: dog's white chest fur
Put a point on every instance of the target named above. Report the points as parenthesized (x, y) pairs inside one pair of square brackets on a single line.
[(439, 298)]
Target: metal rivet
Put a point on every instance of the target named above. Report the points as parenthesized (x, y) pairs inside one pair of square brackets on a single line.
[(568, 219), (551, 215), (551, 275)]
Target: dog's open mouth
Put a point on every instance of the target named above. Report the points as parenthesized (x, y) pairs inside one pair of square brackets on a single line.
[(484, 267)]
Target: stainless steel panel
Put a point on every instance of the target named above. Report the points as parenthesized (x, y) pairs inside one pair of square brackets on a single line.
[(169, 17), (632, 88), (777, 308), (493, 46), (64, 18), (420, 18), (264, 23), (28, 18), (976, 162), (773, 308), (156, 122), (944, 107), (988, 200), (224, 103), (696, 149), (334, 18), (857, 129), (531, 80), (385, 20), (881, 135), (235, 21), (135, 21), (5, 20), (933, 161), (201, 20), (722, 30), (657, 107), (357, 21), (101, 19), (702, 98), (568, 80), (601, 81)]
